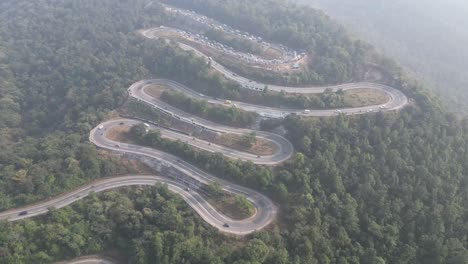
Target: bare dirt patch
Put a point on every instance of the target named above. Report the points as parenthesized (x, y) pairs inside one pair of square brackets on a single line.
[(156, 90), (259, 147), (128, 166), (272, 53), (137, 167), (227, 205), (364, 97), (120, 134)]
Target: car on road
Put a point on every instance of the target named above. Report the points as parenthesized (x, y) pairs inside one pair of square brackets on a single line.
[(117, 145), (23, 213), (226, 225), (121, 123)]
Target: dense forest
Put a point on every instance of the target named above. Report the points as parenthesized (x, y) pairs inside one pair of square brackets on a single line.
[(428, 37), (378, 188)]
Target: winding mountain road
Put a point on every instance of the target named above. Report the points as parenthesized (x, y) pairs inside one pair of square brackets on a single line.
[(89, 260), (266, 210), (397, 100)]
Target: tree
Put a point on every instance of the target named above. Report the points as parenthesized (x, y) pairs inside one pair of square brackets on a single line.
[(256, 250), (138, 131), (249, 139), (153, 138), (215, 188), (243, 204)]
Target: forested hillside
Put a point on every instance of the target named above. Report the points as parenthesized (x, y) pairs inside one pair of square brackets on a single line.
[(336, 58), (428, 37), (378, 188)]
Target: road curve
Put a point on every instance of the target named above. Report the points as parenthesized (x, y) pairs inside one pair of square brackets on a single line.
[(95, 260), (266, 210), (397, 100), (88, 260), (284, 149)]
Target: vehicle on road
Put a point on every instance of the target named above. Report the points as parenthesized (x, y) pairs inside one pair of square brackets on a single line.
[(306, 111), (23, 213), (117, 145), (226, 225), (121, 123), (146, 124), (100, 127), (227, 101)]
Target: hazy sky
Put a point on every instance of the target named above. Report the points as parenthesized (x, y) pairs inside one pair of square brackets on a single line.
[(429, 36)]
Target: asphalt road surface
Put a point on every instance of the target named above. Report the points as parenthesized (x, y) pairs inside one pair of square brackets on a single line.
[(88, 260), (283, 148), (266, 210), (397, 100)]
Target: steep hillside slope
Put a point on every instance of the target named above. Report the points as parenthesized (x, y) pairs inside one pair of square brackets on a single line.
[(430, 38)]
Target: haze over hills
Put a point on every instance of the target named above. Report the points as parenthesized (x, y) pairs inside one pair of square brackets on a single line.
[(218, 131), (430, 38)]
